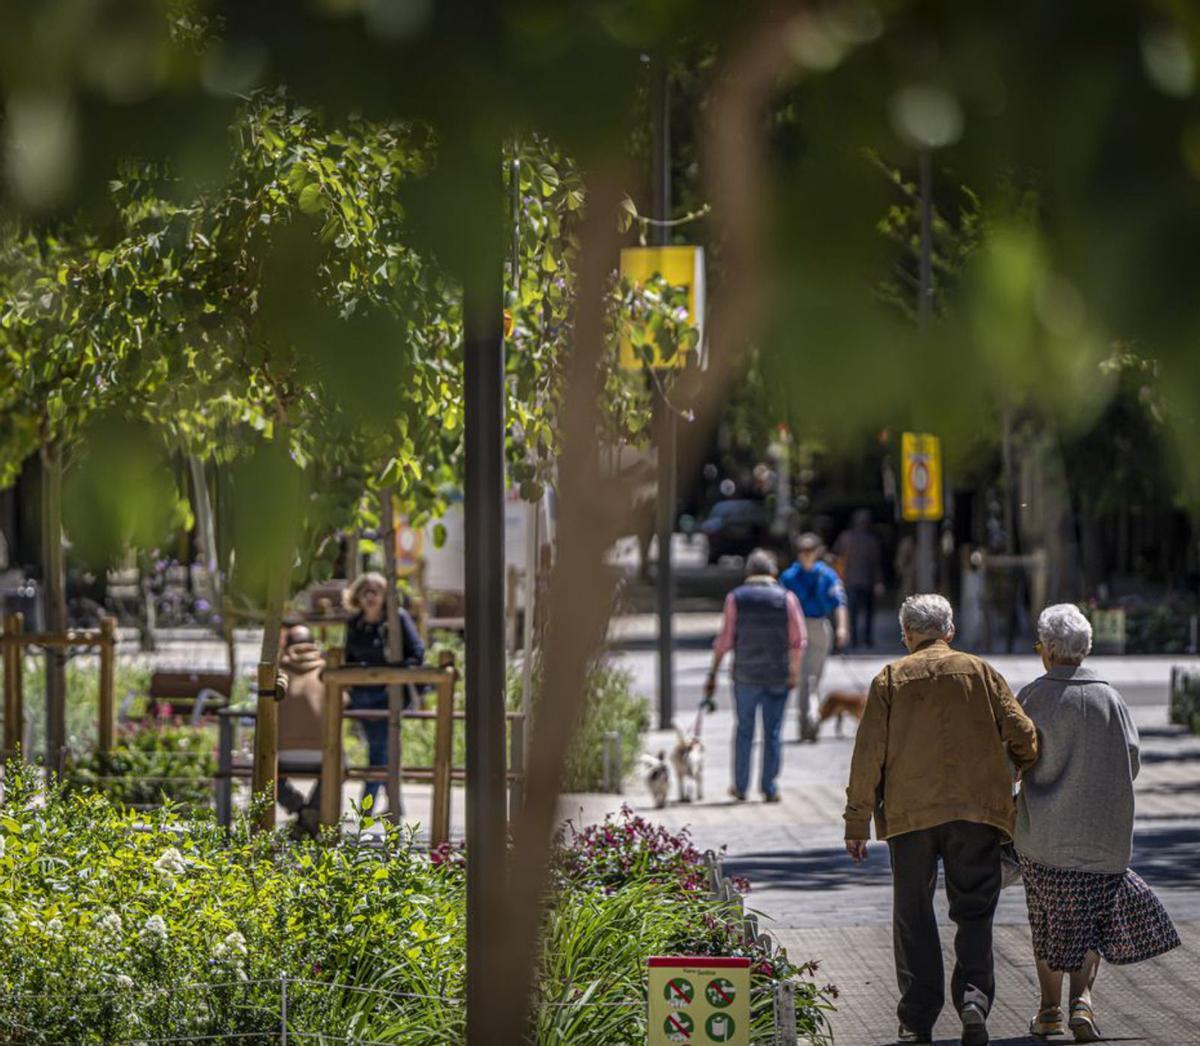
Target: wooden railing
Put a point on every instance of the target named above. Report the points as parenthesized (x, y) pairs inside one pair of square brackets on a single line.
[(332, 768), (13, 641)]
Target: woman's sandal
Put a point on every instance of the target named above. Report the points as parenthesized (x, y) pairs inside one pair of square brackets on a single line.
[(1083, 1022), (1049, 1021)]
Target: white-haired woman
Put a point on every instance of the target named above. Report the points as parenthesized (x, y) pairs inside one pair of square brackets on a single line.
[(1074, 833)]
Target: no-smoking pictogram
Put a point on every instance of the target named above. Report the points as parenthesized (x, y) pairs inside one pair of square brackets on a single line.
[(679, 1027), (679, 992), (720, 992)]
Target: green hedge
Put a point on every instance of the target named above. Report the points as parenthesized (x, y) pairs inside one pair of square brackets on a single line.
[(612, 704), (150, 764)]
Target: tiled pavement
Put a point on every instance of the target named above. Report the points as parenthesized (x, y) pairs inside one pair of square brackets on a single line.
[(1152, 1003), (820, 906)]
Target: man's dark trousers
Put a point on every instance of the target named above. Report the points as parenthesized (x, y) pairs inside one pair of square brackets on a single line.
[(970, 855)]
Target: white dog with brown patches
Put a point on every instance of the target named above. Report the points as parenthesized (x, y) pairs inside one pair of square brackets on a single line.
[(658, 778), (687, 760)]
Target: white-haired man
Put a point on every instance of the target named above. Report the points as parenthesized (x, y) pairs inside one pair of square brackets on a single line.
[(932, 765)]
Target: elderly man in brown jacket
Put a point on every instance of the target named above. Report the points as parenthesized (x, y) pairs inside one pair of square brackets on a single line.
[(933, 764)]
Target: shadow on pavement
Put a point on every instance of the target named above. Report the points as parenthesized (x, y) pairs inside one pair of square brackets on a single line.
[(1167, 856), (826, 869), (1169, 733), (1030, 1040), (1191, 756)]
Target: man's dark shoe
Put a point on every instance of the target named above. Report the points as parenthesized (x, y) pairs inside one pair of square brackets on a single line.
[(908, 1035), (974, 1025)]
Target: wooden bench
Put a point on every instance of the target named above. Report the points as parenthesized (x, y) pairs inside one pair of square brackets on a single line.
[(178, 692)]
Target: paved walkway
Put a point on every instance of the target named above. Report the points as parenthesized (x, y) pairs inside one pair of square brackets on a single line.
[(820, 906)]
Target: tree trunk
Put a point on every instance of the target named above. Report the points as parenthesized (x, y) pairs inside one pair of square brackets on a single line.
[(206, 529), (266, 740), (55, 596)]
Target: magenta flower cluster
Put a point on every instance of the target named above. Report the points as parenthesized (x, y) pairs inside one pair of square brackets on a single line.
[(626, 847)]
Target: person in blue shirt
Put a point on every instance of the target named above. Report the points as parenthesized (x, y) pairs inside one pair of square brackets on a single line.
[(822, 596)]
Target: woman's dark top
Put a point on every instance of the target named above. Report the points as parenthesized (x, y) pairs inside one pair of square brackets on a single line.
[(366, 641)]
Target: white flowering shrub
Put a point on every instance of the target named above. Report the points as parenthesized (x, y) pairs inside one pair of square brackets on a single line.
[(112, 935), (118, 928)]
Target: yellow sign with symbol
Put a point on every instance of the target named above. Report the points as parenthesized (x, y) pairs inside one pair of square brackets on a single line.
[(680, 267), (921, 462), (699, 999)]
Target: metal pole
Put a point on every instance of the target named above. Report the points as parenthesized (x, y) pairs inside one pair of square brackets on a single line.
[(107, 680), (926, 529), (223, 787), (283, 1008), (664, 577), (395, 655), (55, 594), (487, 822), (14, 688)]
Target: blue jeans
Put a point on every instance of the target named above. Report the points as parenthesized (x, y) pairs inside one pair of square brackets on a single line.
[(375, 731), (750, 699)]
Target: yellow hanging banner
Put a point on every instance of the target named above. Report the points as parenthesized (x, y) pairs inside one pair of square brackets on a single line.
[(698, 999), (921, 461), (680, 267)]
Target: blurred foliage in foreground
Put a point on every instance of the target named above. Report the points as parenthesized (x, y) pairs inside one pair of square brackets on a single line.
[(197, 262)]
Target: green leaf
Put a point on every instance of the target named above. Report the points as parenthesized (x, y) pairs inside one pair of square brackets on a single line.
[(311, 200)]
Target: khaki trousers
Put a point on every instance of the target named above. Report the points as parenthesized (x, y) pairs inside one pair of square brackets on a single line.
[(812, 667)]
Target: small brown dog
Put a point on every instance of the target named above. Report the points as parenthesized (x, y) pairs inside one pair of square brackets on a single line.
[(842, 703)]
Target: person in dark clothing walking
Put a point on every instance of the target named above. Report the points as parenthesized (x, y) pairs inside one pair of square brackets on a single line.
[(366, 644), (932, 764), (764, 628), (861, 557)]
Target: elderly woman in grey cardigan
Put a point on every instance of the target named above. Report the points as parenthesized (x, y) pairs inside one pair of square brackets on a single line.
[(1074, 833)]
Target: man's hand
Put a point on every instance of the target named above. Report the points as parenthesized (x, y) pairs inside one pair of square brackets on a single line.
[(842, 636), (710, 687), (857, 849)]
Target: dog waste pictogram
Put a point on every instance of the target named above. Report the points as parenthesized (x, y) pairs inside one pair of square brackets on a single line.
[(698, 999), (720, 992)]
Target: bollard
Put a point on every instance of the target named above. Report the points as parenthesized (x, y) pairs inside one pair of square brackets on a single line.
[(611, 755), (783, 998)]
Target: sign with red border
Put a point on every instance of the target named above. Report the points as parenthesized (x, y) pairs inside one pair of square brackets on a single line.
[(698, 999)]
